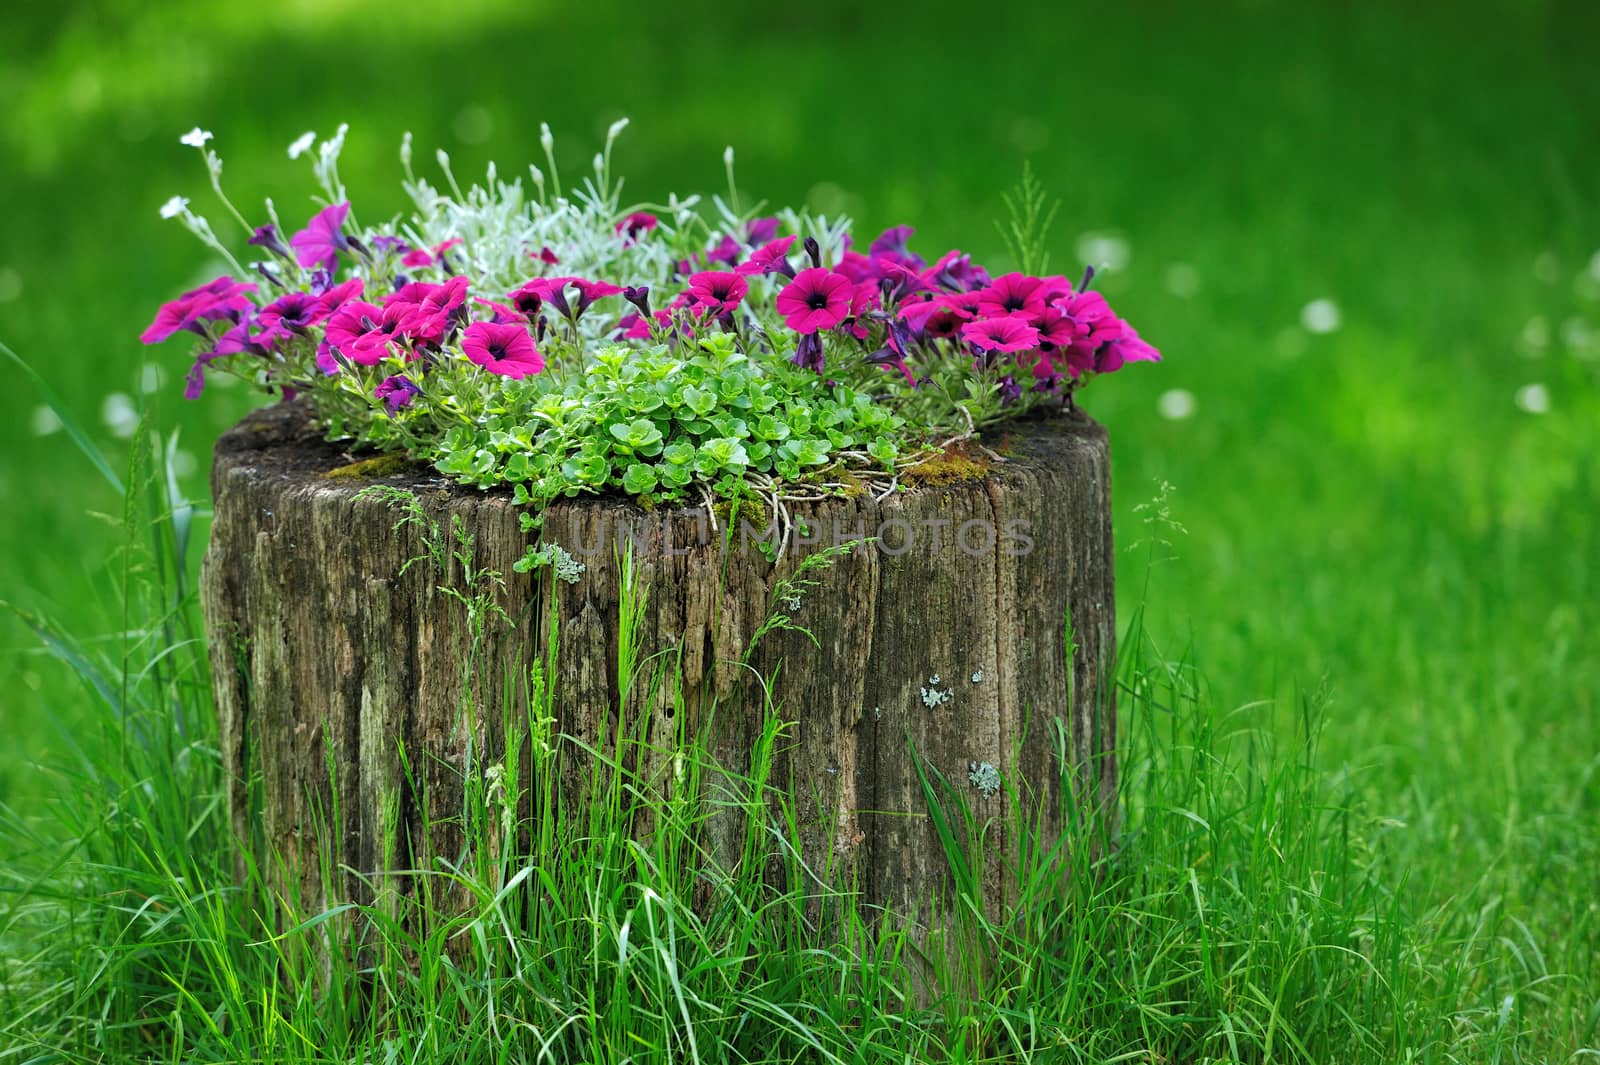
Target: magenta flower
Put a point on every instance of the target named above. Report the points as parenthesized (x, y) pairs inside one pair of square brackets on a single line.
[(267, 237), (294, 312), (817, 298), (417, 257), (770, 258), (760, 230), (321, 241), (432, 307), (1001, 334), (890, 247), (500, 314), (808, 353), (934, 319), (364, 333), (636, 225), (334, 296), (396, 392), (717, 291), (956, 271), (1012, 294), (857, 267), (507, 350), (222, 298), (589, 291), (545, 255)]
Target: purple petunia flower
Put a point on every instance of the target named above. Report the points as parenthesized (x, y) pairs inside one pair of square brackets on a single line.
[(760, 230), (321, 241), (222, 298), (294, 312), (808, 353), (507, 350), (816, 299), (396, 392), (432, 307), (267, 237)]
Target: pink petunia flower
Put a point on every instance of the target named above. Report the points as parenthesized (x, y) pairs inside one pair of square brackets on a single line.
[(760, 230), (365, 333), (418, 257), (507, 350), (635, 226), (771, 258), (433, 307), (321, 241), (222, 298), (500, 314), (589, 291), (817, 298), (1012, 294), (1001, 334), (717, 292)]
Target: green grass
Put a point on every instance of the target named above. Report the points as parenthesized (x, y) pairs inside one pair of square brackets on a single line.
[(1370, 517)]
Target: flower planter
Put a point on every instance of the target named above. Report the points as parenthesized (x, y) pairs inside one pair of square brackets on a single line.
[(349, 736)]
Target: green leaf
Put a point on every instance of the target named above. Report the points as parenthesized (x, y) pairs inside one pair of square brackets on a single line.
[(639, 479)]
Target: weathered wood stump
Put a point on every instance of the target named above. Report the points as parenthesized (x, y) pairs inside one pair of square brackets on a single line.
[(978, 630)]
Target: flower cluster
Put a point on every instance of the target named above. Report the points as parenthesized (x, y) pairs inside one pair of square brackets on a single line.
[(462, 334)]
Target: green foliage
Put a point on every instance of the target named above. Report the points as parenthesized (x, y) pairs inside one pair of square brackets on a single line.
[(661, 427), (1032, 211)]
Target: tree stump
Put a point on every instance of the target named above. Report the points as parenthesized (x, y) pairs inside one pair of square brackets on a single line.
[(977, 632)]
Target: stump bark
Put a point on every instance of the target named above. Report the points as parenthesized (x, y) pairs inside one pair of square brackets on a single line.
[(977, 632)]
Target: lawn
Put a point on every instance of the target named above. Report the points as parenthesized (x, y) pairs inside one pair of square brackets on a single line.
[(1367, 243)]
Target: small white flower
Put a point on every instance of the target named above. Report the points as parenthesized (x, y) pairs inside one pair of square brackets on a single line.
[(302, 144), (727, 156), (616, 129), (1320, 316), (174, 207), (195, 138), (1176, 404), (1534, 398)]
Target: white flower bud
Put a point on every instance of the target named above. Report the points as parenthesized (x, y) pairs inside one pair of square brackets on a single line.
[(302, 144), (195, 138), (174, 207), (546, 140)]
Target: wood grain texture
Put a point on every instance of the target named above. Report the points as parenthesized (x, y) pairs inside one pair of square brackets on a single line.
[(349, 737)]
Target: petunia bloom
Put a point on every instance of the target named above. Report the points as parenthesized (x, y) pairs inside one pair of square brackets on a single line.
[(294, 312), (808, 353), (770, 258), (816, 299), (507, 350), (718, 292), (321, 241), (222, 298), (418, 257), (1012, 294), (589, 291), (1001, 334), (635, 226), (396, 392)]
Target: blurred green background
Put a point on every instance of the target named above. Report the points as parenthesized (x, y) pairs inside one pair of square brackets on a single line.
[(1367, 239)]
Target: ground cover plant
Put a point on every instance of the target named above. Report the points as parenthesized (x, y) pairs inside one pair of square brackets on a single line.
[(1366, 239)]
